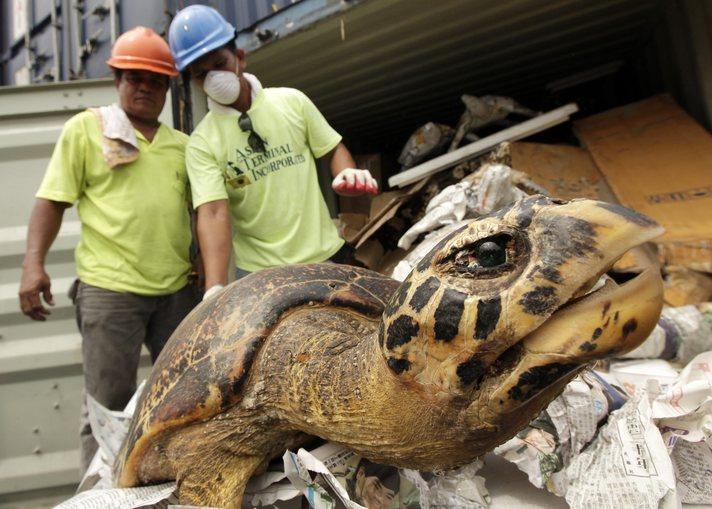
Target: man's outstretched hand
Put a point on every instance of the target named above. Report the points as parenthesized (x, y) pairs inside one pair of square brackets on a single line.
[(353, 182)]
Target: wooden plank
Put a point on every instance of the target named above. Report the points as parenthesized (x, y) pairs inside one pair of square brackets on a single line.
[(516, 132), (658, 161)]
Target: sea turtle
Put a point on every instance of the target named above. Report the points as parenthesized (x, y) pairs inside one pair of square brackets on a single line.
[(427, 374)]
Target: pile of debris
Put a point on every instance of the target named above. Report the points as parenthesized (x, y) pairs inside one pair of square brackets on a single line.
[(649, 156)]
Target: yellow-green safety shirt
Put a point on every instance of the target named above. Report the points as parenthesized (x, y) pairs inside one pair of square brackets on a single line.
[(135, 233), (278, 212)]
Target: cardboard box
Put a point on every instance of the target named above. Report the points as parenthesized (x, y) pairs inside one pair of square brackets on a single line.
[(685, 286), (384, 207), (657, 160), (565, 172), (349, 225), (694, 255)]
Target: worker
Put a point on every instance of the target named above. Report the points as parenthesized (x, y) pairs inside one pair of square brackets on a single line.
[(251, 159), (126, 172)]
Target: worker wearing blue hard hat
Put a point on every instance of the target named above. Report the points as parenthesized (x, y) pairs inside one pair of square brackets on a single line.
[(251, 159)]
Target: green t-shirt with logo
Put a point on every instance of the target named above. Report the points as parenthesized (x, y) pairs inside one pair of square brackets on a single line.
[(135, 225), (279, 214)]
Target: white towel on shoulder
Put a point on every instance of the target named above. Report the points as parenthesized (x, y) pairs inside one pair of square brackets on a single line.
[(120, 145)]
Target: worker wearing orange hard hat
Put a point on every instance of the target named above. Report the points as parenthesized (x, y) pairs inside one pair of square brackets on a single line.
[(125, 170)]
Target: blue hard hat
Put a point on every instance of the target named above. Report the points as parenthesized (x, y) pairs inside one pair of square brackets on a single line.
[(196, 31)]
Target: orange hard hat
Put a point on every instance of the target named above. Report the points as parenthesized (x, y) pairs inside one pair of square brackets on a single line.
[(142, 48)]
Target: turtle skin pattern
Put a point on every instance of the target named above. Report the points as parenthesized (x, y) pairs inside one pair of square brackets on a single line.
[(194, 379)]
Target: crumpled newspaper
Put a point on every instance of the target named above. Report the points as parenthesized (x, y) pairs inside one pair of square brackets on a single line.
[(461, 487), (652, 451), (466, 200), (684, 416), (569, 423), (96, 488), (633, 375), (107, 498), (451, 205), (627, 465), (655, 450), (299, 468), (333, 472)]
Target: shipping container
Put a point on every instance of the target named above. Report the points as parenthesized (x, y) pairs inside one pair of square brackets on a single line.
[(62, 40), (377, 69), (40, 362)]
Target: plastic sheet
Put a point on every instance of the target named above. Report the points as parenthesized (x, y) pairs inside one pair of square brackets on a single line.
[(466, 200)]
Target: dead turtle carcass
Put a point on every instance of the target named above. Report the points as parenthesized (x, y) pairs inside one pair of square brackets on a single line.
[(427, 374)]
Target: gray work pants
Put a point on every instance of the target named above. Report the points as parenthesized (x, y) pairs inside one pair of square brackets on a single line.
[(113, 326)]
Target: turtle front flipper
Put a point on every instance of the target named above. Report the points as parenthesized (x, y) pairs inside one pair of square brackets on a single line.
[(221, 483)]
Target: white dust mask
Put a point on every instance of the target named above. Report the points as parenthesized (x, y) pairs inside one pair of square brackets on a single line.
[(222, 86)]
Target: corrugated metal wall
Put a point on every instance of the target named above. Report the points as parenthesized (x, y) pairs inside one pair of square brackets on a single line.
[(71, 39), (67, 39), (241, 13), (679, 57), (381, 68), (40, 362)]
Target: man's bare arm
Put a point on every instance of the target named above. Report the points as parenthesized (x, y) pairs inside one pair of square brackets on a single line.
[(214, 239), (44, 224)]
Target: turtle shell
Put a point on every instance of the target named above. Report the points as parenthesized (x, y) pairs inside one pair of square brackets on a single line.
[(205, 364)]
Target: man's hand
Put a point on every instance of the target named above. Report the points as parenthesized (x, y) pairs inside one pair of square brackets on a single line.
[(353, 182), (45, 220), (35, 281)]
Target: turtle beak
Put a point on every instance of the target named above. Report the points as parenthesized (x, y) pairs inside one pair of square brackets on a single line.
[(591, 325), (615, 229), (572, 246), (609, 321)]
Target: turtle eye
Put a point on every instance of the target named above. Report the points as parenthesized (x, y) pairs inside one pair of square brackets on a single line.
[(490, 254)]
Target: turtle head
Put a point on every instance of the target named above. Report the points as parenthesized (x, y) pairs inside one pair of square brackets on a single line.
[(502, 309)]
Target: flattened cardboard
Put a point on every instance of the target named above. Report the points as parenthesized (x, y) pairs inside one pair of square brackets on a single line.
[(684, 286), (566, 172), (384, 207), (658, 161), (370, 254), (349, 225), (390, 260), (694, 255)]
